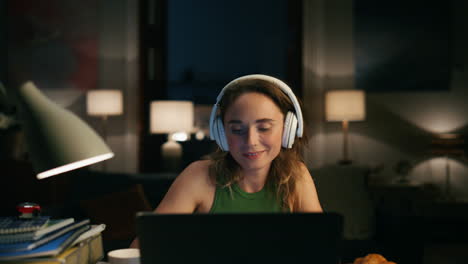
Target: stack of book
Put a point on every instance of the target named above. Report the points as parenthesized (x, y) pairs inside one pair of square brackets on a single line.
[(45, 240)]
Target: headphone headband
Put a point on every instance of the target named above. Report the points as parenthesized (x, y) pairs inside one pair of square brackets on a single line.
[(283, 86)]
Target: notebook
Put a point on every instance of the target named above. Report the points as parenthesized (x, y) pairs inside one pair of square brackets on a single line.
[(29, 245), (14, 225), (51, 226), (240, 238), (50, 248)]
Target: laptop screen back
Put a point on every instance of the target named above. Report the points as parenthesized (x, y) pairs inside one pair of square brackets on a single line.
[(239, 238)]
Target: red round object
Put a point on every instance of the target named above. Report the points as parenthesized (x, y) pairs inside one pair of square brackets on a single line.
[(28, 208)]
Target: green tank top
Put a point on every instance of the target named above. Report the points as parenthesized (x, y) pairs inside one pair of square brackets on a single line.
[(263, 201)]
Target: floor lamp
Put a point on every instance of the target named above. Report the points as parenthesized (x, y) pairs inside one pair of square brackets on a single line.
[(448, 146), (171, 117), (57, 140), (104, 103), (345, 106)]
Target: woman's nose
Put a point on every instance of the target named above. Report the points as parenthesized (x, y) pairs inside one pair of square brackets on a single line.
[(251, 137)]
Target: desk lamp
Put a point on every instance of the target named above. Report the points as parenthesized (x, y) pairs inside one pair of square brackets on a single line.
[(344, 106), (171, 117), (58, 141)]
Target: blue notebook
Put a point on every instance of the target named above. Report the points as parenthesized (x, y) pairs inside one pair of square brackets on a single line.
[(51, 226), (52, 248), (13, 224), (28, 247)]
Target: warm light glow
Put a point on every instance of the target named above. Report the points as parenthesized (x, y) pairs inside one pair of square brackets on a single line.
[(180, 136), (343, 105), (171, 150), (200, 135), (448, 136), (441, 117), (440, 123), (171, 116), (434, 170), (74, 165), (104, 102)]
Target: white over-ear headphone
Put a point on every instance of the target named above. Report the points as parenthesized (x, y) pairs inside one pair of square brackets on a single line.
[(293, 124)]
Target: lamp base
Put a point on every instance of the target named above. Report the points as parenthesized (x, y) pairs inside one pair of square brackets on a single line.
[(171, 153)]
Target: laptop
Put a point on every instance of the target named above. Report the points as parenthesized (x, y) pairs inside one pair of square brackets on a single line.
[(239, 238)]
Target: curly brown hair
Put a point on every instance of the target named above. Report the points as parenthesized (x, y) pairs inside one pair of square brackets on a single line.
[(285, 169)]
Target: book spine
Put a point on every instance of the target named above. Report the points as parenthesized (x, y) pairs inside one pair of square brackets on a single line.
[(96, 249)]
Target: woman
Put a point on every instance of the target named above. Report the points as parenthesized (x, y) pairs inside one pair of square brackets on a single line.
[(257, 124)]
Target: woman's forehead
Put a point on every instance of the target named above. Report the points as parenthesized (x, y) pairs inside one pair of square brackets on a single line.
[(255, 106)]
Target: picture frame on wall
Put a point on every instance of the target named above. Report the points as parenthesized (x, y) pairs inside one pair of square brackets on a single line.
[(402, 45)]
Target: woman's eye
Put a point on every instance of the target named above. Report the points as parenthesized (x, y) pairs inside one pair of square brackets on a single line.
[(263, 129), (236, 131)]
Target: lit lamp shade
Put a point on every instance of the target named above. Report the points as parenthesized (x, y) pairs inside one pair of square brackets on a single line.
[(346, 105), (57, 140), (104, 102), (171, 116), (448, 145)]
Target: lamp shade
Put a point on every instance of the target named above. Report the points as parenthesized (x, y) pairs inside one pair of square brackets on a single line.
[(171, 116), (57, 140), (341, 105), (448, 145), (104, 102)]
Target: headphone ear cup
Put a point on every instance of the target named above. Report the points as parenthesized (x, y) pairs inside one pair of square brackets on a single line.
[(292, 133), (284, 140), (214, 130), (220, 136), (289, 130)]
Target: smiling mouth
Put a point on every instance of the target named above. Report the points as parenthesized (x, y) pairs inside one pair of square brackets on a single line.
[(252, 154)]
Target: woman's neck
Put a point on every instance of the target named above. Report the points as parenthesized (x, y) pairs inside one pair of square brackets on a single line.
[(254, 180)]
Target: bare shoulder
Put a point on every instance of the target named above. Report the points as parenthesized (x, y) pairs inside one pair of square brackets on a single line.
[(308, 199), (196, 176), (201, 164), (190, 189), (196, 172), (305, 174)]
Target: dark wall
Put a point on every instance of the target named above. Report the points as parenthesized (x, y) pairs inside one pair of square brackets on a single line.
[(196, 48), (3, 42), (211, 42), (393, 40)]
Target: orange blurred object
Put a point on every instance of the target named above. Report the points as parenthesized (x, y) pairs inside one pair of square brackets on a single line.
[(372, 258)]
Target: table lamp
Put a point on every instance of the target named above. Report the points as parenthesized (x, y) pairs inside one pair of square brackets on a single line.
[(344, 106), (58, 141), (171, 117), (104, 103)]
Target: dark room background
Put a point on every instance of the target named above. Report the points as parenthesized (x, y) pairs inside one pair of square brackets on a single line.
[(207, 44)]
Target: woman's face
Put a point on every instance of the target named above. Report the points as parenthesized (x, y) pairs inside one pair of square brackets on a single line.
[(254, 127)]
